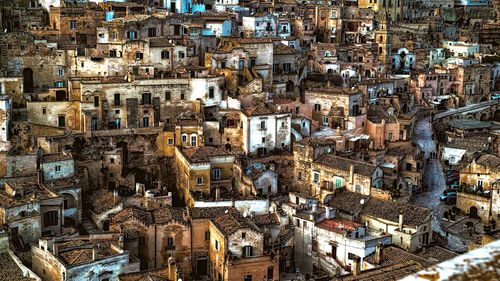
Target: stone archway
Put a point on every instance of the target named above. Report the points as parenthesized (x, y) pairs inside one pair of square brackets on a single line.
[(483, 117), (496, 115), (473, 212)]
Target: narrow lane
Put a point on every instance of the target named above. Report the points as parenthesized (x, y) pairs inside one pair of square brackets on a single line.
[(435, 180)]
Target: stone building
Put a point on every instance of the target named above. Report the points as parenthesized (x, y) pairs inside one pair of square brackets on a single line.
[(203, 171), (382, 126), (155, 236), (335, 107), (31, 210), (265, 129), (236, 250), (96, 257), (409, 225)]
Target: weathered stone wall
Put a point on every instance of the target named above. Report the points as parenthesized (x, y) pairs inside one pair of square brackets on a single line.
[(467, 202)]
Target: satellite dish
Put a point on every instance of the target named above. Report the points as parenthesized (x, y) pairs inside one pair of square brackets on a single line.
[(227, 211), (271, 209), (362, 201), (245, 214)]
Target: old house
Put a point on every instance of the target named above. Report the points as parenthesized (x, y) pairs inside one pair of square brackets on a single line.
[(265, 129), (409, 225), (155, 236), (31, 210), (203, 171), (285, 68), (335, 106), (260, 25), (236, 250), (96, 257), (340, 242), (382, 126)]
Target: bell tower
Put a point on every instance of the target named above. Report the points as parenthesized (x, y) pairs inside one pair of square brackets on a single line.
[(383, 38)]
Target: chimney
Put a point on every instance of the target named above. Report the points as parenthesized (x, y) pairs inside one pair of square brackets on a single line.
[(378, 253), (94, 252), (55, 248), (328, 83), (314, 208), (356, 266), (351, 173), (328, 212), (337, 131), (400, 225), (120, 241), (217, 193)]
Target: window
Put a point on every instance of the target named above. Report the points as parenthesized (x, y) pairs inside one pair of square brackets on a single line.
[(146, 98), (152, 32), (199, 181), (316, 177), (61, 121), (286, 67), (184, 138), (165, 54), (117, 100), (170, 241), (60, 72), (211, 93), (167, 96), (58, 168), (112, 53), (139, 55), (23, 48), (131, 35), (325, 120), (193, 140), (270, 273), (216, 244), (247, 277), (72, 24), (300, 176), (216, 173), (247, 251), (357, 188), (44, 111), (181, 55), (50, 218), (114, 35), (243, 235), (182, 96), (96, 101), (170, 141), (317, 107), (9, 46), (145, 121), (262, 125), (263, 139)]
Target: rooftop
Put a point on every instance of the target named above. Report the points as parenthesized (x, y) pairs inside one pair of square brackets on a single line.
[(202, 154), (344, 164), (20, 191), (9, 270)]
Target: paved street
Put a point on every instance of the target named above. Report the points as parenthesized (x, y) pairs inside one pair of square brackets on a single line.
[(434, 178)]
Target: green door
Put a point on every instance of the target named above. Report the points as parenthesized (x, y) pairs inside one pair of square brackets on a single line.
[(338, 183)]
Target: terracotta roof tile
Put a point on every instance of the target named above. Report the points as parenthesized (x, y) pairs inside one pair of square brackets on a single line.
[(344, 164), (389, 210), (203, 153), (392, 255), (282, 49)]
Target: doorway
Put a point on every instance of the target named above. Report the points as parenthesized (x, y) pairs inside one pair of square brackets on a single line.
[(28, 80), (473, 212)]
